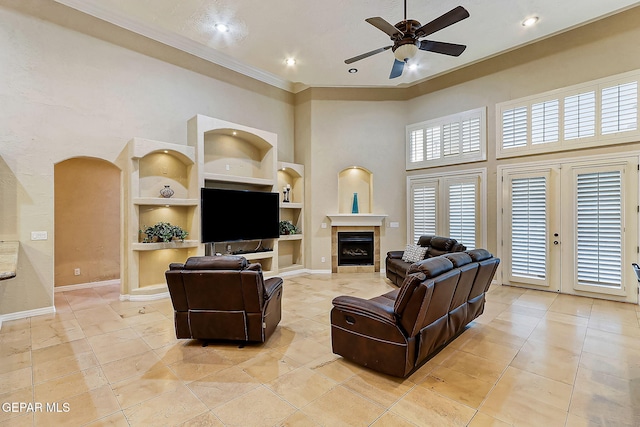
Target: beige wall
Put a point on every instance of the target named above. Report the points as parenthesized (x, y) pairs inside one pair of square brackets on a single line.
[(361, 133), (87, 221), (73, 86)]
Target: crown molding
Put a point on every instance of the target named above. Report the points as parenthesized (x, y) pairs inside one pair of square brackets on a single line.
[(179, 42)]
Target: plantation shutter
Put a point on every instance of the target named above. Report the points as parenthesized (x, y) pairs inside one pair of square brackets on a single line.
[(471, 135), (514, 127), (462, 213), (424, 208), (544, 122), (580, 115), (416, 145), (451, 138), (599, 228), (620, 108), (529, 227), (433, 142)]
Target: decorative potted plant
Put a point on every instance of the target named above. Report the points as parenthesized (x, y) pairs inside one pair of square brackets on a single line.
[(163, 232), (287, 227)]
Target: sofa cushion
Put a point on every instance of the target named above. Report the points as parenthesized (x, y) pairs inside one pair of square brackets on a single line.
[(431, 267), (458, 258), (424, 240), (441, 245), (479, 254), (414, 253)]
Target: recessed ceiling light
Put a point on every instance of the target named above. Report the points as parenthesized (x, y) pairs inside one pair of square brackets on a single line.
[(290, 61), (530, 21), (353, 70), (235, 133), (223, 28)]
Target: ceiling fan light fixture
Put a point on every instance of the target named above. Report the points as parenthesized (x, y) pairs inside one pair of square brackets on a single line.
[(529, 22), (220, 27), (353, 70), (405, 52)]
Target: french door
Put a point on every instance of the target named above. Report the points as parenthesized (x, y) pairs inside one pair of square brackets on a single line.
[(571, 227)]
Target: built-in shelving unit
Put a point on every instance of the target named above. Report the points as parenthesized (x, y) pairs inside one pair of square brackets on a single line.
[(291, 247), (230, 155), (148, 166)]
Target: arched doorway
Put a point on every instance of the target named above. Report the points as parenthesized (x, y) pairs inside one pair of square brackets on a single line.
[(86, 221)]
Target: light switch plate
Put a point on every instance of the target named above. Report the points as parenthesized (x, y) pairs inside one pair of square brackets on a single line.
[(38, 235)]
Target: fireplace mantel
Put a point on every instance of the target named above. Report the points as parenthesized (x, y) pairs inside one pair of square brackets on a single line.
[(356, 220)]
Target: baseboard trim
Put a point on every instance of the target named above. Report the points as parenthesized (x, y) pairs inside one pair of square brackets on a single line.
[(151, 297), (27, 313), (294, 272), (86, 285), (320, 271)]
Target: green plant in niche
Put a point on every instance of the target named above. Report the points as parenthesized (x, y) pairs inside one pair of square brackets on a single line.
[(287, 227), (163, 231)]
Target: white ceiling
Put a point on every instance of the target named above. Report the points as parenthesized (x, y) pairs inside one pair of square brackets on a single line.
[(321, 34)]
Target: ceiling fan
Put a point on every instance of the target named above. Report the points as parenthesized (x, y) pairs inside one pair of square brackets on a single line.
[(406, 37)]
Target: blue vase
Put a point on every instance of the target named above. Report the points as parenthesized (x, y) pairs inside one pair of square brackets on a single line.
[(354, 208)]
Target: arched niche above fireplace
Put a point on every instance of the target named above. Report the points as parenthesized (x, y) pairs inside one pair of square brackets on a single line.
[(355, 180)]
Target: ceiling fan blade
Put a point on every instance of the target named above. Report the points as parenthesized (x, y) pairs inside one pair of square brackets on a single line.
[(383, 25), (396, 70), (454, 15), (366, 55), (451, 49)]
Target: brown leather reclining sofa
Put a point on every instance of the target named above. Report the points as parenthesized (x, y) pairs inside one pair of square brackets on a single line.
[(396, 268), (397, 332), (223, 298)]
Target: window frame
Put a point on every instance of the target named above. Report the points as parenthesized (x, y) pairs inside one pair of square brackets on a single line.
[(442, 182), (457, 119), (561, 95)]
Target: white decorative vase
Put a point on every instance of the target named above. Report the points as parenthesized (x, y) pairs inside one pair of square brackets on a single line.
[(166, 192)]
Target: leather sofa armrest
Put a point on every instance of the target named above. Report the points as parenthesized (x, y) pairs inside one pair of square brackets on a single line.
[(365, 307), (271, 285), (395, 254)]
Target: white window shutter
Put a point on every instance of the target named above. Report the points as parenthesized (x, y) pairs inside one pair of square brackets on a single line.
[(433, 142), (471, 135), (599, 228), (620, 108), (416, 145), (451, 139), (462, 213), (544, 122), (424, 208), (580, 115), (529, 227), (514, 127)]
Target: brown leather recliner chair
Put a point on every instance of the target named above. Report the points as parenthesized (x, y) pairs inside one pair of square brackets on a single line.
[(223, 298)]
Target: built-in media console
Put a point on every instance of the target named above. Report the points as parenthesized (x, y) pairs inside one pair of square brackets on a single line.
[(239, 221)]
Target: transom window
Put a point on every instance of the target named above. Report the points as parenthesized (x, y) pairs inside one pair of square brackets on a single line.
[(597, 113), (454, 139)]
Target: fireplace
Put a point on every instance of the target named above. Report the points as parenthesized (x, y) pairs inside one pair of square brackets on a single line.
[(355, 248)]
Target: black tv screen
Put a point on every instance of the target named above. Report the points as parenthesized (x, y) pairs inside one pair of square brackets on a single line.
[(229, 215)]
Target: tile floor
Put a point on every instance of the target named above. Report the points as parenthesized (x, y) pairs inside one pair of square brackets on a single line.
[(532, 359)]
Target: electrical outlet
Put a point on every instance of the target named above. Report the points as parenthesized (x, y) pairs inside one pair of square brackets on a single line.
[(76, 271), (228, 167), (324, 225), (323, 259)]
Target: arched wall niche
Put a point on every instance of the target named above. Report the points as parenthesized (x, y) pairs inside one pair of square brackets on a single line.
[(86, 221), (355, 180)]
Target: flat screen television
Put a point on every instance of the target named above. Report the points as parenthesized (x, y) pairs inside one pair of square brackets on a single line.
[(231, 215)]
